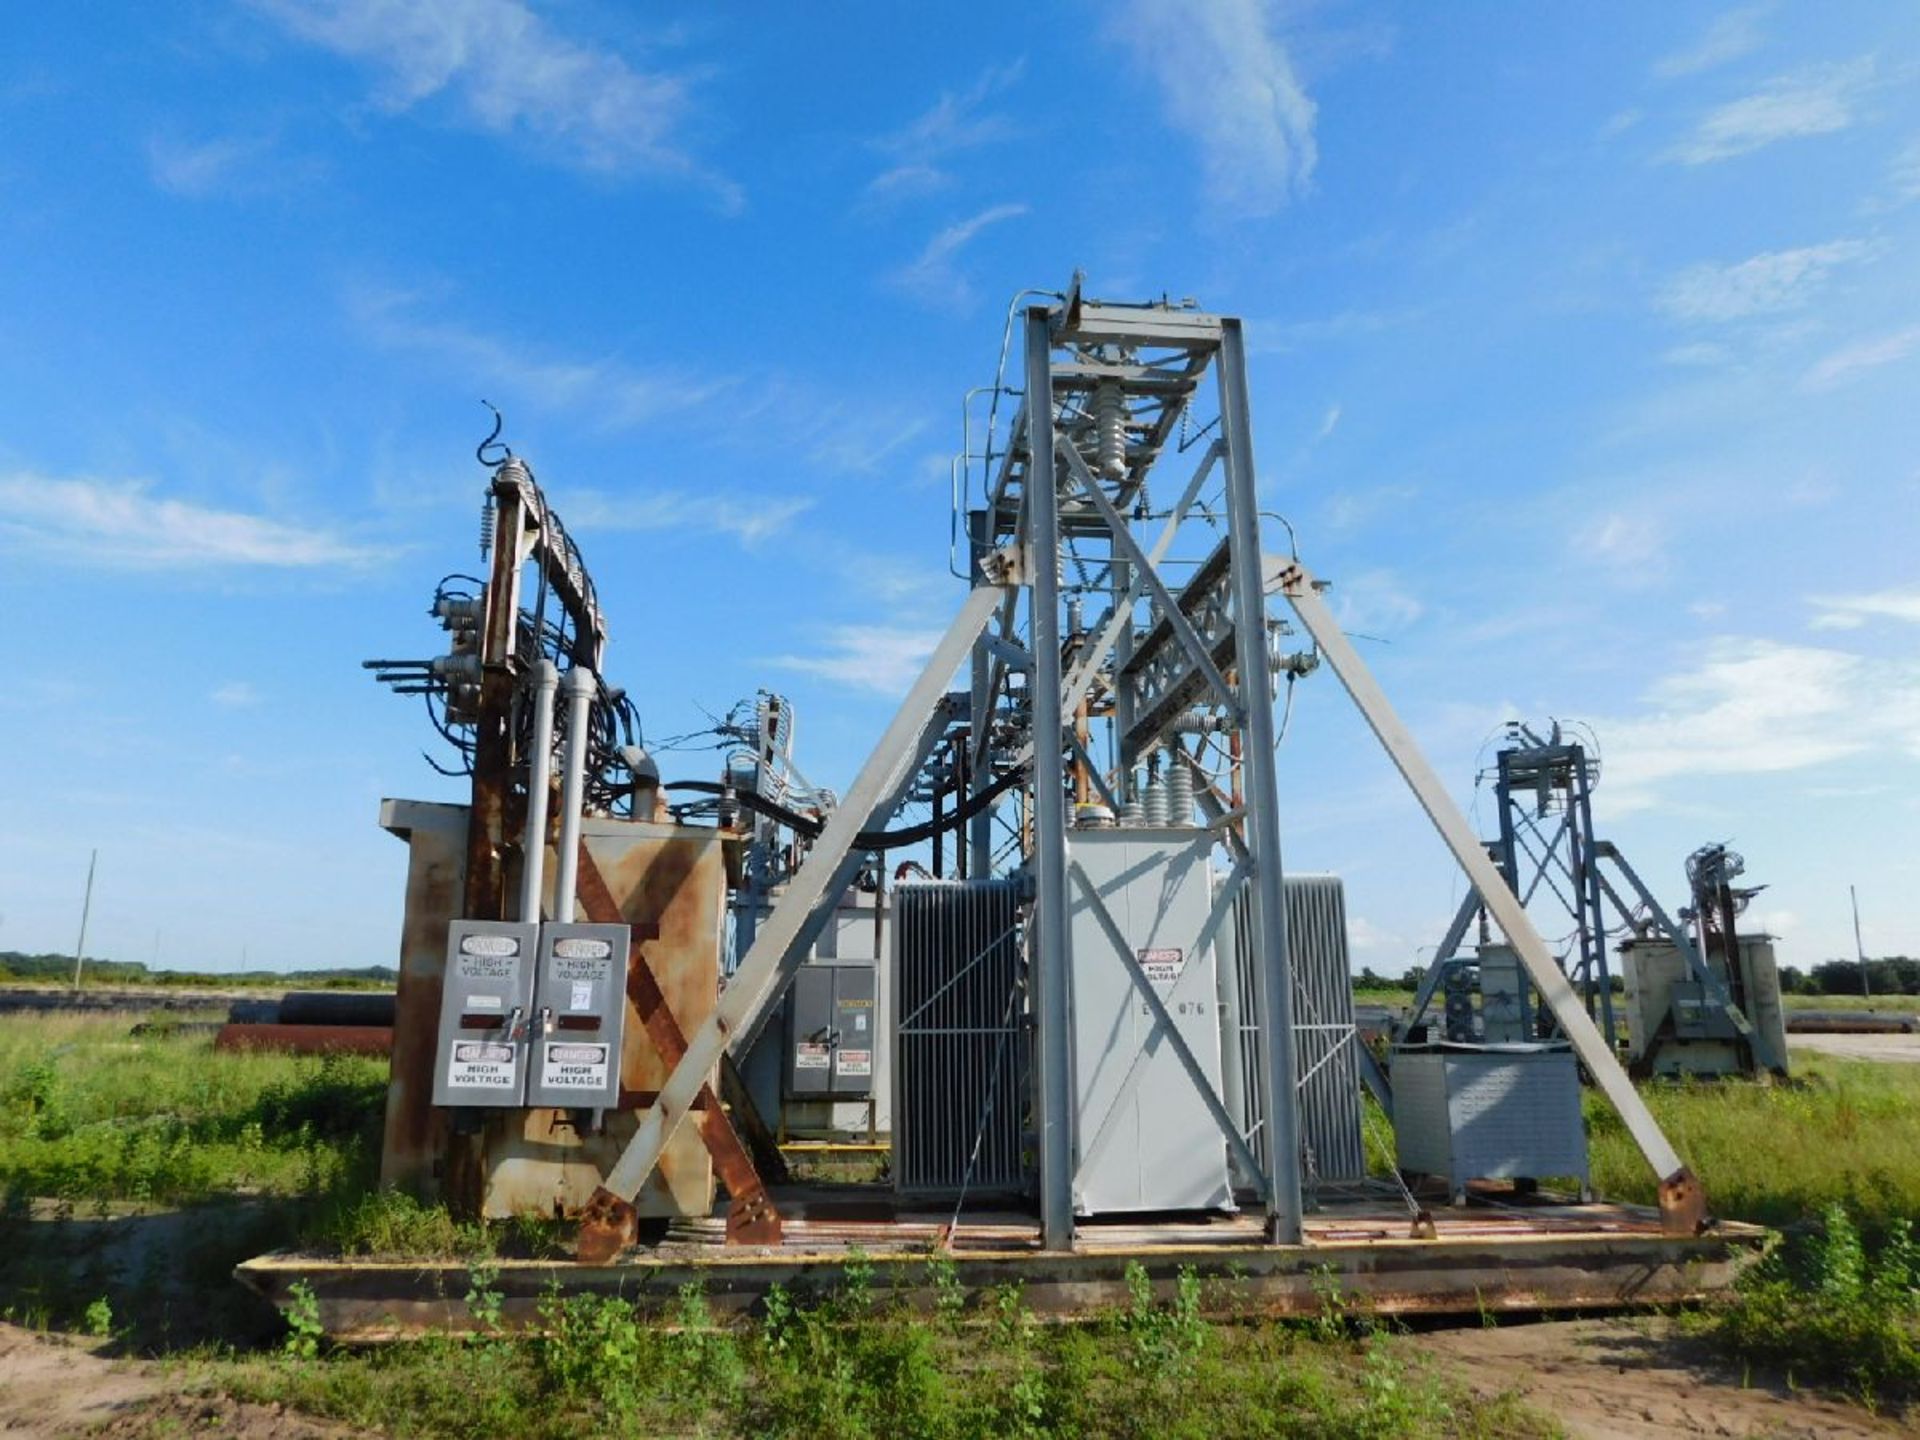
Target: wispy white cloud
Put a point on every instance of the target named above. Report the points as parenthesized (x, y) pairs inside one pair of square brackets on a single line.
[(956, 122), (1851, 360), (196, 169), (1282, 337), (1904, 174), (1621, 121), (1376, 603), (1702, 353), (1788, 107), (508, 72), (1850, 612), (1730, 36), (1631, 545), (806, 420), (1764, 284), (617, 394), (748, 519), (934, 277), (236, 695), (1755, 707), (882, 659), (123, 524), (1349, 509), (1229, 84)]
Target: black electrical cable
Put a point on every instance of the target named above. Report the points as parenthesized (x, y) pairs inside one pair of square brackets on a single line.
[(811, 829)]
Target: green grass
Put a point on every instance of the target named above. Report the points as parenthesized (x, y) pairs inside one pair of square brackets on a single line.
[(91, 1114), (136, 1171), (1828, 1310), (847, 1369), (1842, 1132), (1878, 1004)]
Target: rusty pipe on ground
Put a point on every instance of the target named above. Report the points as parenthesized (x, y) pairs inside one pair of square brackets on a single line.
[(580, 686), (546, 680)]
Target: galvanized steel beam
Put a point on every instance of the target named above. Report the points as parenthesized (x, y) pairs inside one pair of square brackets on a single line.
[(1682, 1201), (1050, 939), (769, 961), (1273, 968)]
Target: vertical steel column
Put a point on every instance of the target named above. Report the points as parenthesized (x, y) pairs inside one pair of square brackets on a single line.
[(1123, 707), (1589, 875), (1051, 944), (1273, 972), (979, 772)]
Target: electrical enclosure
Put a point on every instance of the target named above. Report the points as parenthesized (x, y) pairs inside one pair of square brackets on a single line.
[(1488, 1112), (581, 1007), (832, 1018), (1144, 1137), (485, 1001), (1674, 1029)]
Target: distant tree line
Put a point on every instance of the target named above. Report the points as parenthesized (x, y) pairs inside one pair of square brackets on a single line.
[(16, 967), (1890, 975)]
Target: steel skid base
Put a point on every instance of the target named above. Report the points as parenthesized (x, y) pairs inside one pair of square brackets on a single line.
[(1501, 1252)]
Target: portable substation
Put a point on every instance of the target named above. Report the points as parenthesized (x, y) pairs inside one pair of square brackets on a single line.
[(1080, 1008)]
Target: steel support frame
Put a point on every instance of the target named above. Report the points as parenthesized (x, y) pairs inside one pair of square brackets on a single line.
[(1055, 469), (1273, 967), (1049, 940), (1682, 1200), (769, 963)]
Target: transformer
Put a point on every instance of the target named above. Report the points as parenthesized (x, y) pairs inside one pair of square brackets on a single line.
[(1145, 1138), (1674, 1027), (1488, 1112)]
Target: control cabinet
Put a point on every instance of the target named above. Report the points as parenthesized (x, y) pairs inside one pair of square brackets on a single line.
[(486, 1002), (580, 1011), (832, 1015)]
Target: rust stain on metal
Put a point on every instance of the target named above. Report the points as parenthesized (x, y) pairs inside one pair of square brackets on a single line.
[(1683, 1204), (415, 1135), (1610, 1262), (752, 1217), (606, 1228)]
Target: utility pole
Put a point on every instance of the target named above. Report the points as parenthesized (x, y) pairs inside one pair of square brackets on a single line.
[(86, 907), (1859, 950)]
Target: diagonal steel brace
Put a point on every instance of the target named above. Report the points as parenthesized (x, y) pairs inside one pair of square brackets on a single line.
[(1682, 1200), (771, 959), (1164, 1021)]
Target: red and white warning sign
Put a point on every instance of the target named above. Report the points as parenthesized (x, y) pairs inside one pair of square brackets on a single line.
[(572, 1065), (855, 1062), (807, 1056), (1163, 967)]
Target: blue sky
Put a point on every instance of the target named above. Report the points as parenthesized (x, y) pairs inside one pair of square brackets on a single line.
[(1584, 362)]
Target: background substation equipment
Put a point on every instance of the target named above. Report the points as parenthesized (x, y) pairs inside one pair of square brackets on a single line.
[(1699, 999), (1083, 984)]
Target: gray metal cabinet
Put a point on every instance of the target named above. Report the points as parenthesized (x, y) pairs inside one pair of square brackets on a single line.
[(831, 1012), (1488, 1112), (1143, 1135)]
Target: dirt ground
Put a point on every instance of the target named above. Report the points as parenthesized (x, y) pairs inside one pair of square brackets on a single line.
[(51, 1389), (1635, 1379), (1893, 1048)]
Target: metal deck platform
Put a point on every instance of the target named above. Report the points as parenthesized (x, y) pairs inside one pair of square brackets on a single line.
[(1500, 1252)]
